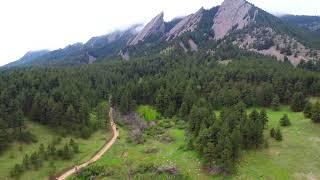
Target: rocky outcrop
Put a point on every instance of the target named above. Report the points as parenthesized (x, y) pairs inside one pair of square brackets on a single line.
[(193, 45), (155, 26), (266, 41), (124, 55), (187, 24), (231, 14)]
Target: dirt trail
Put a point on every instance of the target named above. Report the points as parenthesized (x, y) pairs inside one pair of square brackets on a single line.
[(98, 155)]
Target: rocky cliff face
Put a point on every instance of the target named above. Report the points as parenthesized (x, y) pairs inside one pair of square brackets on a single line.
[(231, 14), (155, 26), (187, 24)]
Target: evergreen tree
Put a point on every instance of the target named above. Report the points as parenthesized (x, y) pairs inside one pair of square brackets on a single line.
[(273, 133), (41, 151), (298, 102), (74, 146), (278, 135), (66, 152), (102, 115), (275, 104), (226, 156), (70, 117), (264, 117), (26, 162), (3, 136), (307, 111), (284, 121), (315, 114), (236, 140), (16, 171)]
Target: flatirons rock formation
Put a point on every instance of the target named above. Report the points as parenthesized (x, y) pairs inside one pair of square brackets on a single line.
[(231, 14), (155, 26), (187, 24)]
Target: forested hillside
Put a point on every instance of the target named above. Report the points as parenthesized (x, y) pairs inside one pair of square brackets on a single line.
[(187, 86)]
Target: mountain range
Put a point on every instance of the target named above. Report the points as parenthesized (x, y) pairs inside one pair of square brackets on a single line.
[(235, 23)]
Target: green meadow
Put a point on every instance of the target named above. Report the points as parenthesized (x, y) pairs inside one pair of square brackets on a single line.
[(296, 157)]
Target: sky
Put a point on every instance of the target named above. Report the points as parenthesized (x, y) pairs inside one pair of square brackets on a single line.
[(52, 24)]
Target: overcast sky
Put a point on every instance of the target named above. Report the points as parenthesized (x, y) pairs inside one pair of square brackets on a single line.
[(50, 24)]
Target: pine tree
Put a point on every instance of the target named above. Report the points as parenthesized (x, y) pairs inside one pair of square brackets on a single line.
[(83, 111), (278, 135), (70, 116), (307, 111), (42, 151), (298, 102), (284, 121), (3, 136), (20, 120), (315, 114), (273, 133), (66, 152), (275, 103), (264, 117), (74, 146), (226, 156), (26, 162), (236, 141), (16, 171)]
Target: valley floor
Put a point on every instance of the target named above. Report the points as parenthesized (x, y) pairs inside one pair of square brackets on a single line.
[(296, 157), (17, 151)]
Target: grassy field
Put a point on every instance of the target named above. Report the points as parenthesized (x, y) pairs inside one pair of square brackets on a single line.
[(296, 157), (148, 113), (13, 155), (123, 156), (314, 99)]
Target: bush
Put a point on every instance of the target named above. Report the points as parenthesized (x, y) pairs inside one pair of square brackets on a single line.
[(91, 172), (16, 171), (284, 121), (27, 137), (154, 131), (85, 132), (145, 168), (166, 138), (166, 123), (278, 135), (151, 150), (273, 133)]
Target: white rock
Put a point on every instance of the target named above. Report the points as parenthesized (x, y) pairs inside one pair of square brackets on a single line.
[(189, 23), (156, 25), (230, 14)]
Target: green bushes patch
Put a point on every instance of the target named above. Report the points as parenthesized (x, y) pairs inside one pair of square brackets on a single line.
[(148, 113)]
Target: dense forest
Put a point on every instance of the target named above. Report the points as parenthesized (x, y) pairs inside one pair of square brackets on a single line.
[(189, 86)]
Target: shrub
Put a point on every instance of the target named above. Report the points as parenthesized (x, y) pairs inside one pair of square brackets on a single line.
[(284, 121), (278, 135), (27, 137), (273, 133), (166, 123), (16, 171), (151, 150)]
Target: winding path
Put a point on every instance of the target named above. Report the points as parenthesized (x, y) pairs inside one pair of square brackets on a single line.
[(98, 155)]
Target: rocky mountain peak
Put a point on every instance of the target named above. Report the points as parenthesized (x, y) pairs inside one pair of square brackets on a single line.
[(189, 23), (231, 14), (156, 25)]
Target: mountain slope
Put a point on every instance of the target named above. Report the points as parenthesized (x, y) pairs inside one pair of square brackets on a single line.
[(27, 58), (76, 54), (311, 23), (234, 24)]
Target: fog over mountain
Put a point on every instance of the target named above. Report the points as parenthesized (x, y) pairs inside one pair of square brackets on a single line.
[(41, 27)]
